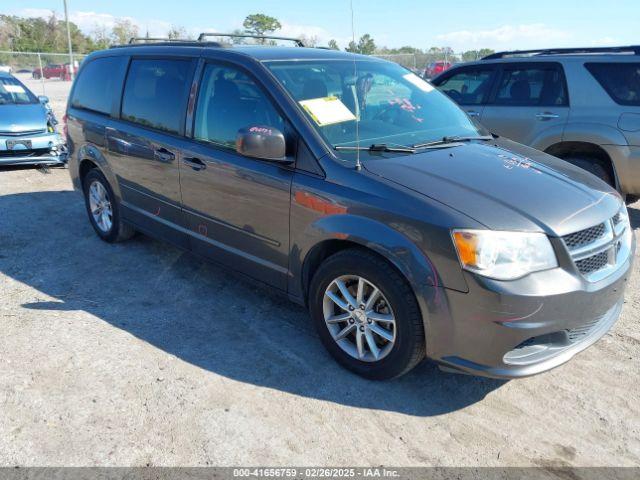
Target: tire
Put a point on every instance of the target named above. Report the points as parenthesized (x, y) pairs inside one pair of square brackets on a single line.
[(115, 230), (631, 199), (396, 357), (594, 166)]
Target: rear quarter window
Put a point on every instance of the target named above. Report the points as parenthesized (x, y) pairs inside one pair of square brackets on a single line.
[(98, 84), (620, 80)]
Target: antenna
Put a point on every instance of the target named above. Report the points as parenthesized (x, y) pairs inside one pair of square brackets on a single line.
[(355, 94)]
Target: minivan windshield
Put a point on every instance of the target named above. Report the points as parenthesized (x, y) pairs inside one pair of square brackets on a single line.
[(370, 102), (12, 92)]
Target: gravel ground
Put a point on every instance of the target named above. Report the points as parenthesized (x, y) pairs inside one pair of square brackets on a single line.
[(140, 354)]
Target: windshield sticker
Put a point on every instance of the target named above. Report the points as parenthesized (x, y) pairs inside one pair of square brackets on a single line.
[(418, 82), (13, 88), (327, 110)]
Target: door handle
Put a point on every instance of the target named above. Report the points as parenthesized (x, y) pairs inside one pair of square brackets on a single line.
[(547, 116), (473, 113), (164, 155), (195, 163)]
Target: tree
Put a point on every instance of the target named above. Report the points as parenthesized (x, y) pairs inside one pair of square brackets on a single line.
[(365, 46), (259, 24), (309, 41), (100, 37), (123, 31), (333, 45), (177, 32), (483, 52)]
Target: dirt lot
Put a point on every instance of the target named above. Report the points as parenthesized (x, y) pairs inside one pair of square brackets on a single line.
[(138, 353)]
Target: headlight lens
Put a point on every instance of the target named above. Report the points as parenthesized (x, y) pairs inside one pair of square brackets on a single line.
[(503, 255)]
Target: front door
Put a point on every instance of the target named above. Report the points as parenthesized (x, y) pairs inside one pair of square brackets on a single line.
[(469, 87), (237, 208), (528, 102)]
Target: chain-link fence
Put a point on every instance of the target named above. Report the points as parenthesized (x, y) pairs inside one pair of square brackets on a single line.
[(431, 64), (45, 68)]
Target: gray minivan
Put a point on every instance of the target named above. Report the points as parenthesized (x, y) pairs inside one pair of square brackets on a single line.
[(359, 190)]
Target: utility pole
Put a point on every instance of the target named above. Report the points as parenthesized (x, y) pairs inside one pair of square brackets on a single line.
[(71, 65)]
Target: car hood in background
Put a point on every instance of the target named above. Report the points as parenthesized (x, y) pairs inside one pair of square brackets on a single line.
[(23, 118), (504, 186)]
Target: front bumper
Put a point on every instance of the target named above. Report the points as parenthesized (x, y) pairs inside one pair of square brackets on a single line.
[(46, 149), (524, 327)]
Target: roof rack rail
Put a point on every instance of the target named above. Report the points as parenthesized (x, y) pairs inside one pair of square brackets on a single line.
[(136, 40), (633, 49), (297, 41), (143, 41)]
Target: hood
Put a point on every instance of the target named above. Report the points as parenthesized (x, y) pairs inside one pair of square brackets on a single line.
[(23, 118), (504, 186)]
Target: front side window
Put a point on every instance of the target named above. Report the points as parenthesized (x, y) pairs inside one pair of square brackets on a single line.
[(12, 92), (531, 87), (98, 84), (370, 102), (620, 80), (155, 93), (469, 86), (228, 101)]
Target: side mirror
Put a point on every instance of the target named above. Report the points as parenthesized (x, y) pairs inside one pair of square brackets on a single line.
[(43, 99), (263, 142)]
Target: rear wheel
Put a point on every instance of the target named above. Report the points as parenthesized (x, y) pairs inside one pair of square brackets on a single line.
[(366, 315), (103, 209), (594, 166)]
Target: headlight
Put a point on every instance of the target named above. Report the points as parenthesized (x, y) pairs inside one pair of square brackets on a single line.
[(503, 255)]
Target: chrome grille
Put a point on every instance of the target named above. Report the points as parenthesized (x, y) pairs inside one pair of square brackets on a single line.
[(596, 251), (593, 263), (584, 237)]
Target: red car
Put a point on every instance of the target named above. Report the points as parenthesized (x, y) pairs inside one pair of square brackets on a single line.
[(54, 70), (436, 68)]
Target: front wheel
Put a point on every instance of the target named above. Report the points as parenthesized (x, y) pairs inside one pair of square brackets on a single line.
[(366, 315), (103, 209)]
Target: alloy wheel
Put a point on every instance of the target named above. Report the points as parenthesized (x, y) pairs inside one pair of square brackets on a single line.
[(100, 206), (359, 318)]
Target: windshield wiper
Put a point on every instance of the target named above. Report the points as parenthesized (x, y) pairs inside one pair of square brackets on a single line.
[(452, 139), (376, 147)]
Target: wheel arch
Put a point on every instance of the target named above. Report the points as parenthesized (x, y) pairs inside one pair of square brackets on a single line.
[(341, 232), (89, 157), (565, 149)]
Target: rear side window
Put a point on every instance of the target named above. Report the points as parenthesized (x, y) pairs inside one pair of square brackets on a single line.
[(155, 93), (620, 80), (532, 86), (469, 86), (98, 83)]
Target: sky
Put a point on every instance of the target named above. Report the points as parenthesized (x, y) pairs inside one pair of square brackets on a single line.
[(461, 24)]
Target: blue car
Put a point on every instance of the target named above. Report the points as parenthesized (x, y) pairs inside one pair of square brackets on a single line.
[(28, 133)]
